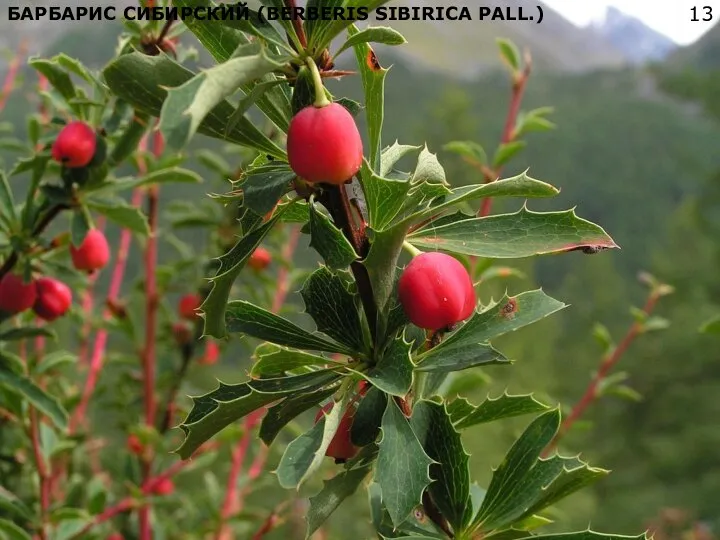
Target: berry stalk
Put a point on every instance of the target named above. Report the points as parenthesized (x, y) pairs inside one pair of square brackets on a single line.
[(321, 99)]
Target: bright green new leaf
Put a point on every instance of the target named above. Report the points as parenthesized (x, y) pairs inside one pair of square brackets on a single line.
[(469, 150), (392, 154), (509, 53)]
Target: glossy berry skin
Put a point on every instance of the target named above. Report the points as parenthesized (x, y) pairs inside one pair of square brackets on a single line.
[(75, 145), (436, 291), (341, 447), (53, 299), (187, 306), (15, 295), (324, 144), (93, 254), (260, 259)]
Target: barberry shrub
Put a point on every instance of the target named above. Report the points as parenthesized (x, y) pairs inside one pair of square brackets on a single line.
[(364, 367)]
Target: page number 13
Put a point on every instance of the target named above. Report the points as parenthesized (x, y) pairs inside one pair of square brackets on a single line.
[(706, 14)]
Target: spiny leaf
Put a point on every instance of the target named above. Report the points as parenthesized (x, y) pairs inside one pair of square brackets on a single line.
[(522, 234), (329, 241), (41, 400), (490, 410), (402, 469), (393, 373), (373, 34), (278, 416)]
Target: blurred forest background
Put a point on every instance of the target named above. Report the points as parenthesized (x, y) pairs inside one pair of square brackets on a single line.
[(637, 148)]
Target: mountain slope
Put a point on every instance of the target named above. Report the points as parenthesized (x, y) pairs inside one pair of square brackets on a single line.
[(703, 54), (630, 35), (467, 47)]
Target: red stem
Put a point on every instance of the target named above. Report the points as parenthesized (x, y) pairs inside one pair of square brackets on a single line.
[(11, 76), (606, 365), (98, 354), (518, 90), (42, 470), (148, 353), (233, 501)]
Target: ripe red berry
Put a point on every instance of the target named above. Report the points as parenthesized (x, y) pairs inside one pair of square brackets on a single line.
[(15, 295), (53, 299), (188, 306), (341, 447), (260, 259), (324, 144), (93, 253), (75, 145), (164, 487), (135, 445), (436, 291), (212, 353)]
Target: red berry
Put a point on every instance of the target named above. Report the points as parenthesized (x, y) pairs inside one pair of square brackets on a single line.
[(116, 536), (212, 353), (15, 295), (324, 144), (436, 291), (341, 447), (164, 487), (93, 253), (260, 259), (135, 445), (188, 306), (53, 299), (75, 145)]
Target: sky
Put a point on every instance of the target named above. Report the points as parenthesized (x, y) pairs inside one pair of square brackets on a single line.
[(670, 17)]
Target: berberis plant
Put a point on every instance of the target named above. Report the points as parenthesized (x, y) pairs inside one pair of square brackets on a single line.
[(393, 326)]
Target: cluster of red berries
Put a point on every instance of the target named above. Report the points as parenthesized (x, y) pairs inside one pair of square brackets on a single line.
[(50, 298)]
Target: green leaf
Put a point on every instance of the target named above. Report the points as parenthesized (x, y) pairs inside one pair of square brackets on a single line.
[(304, 455), (508, 484), (712, 326), (249, 100), (124, 215), (377, 34), (333, 493), (7, 201), (130, 138), (465, 345), (231, 264), (506, 152), (483, 354), (169, 175), (334, 308), (56, 76), (393, 373), (141, 80), (490, 410), (222, 42), (10, 531), (42, 401), (26, 332), (54, 360), (187, 105), (428, 169), (278, 416), (264, 186), (509, 53), (274, 360), (323, 30), (392, 154), (244, 317), (402, 469), (521, 234), (585, 535), (384, 197), (368, 417), (373, 81), (329, 241), (13, 504), (79, 226), (469, 150), (450, 489), (215, 411)]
